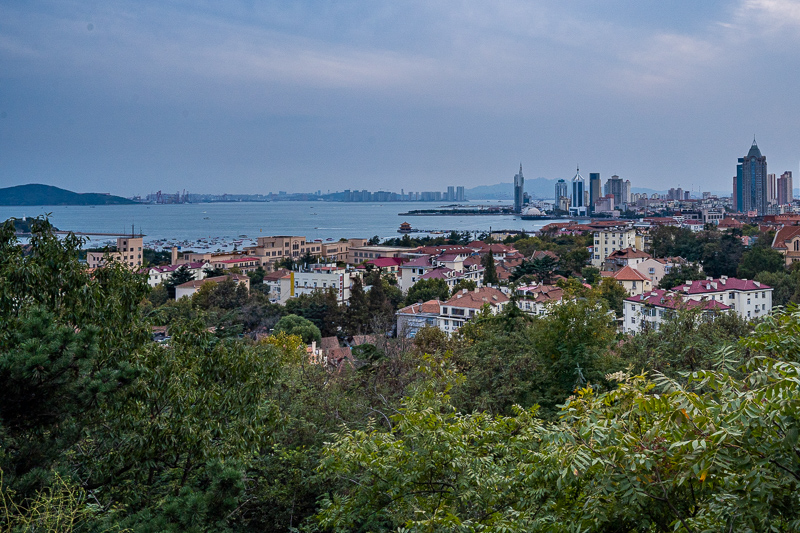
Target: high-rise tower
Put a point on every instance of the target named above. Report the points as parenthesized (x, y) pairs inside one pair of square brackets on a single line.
[(751, 182), (577, 203), (519, 194), (594, 188)]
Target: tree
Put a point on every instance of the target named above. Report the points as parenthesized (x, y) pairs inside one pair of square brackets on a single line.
[(297, 325), (180, 275), (574, 260), (375, 240), (721, 258), (428, 289), (680, 275), (591, 274), (489, 270), (66, 342), (357, 312), (380, 308), (464, 284), (760, 259), (613, 293), (320, 307)]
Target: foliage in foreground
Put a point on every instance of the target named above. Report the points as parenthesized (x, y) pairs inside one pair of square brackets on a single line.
[(719, 452)]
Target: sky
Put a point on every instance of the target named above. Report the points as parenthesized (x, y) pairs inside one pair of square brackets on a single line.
[(257, 96)]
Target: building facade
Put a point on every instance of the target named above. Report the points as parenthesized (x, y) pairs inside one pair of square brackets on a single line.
[(519, 191), (127, 252), (751, 189), (784, 187), (577, 199), (594, 189)]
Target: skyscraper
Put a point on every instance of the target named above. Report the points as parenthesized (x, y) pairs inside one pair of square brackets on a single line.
[(577, 201), (561, 190), (772, 192), (460, 193), (594, 188), (785, 193), (519, 194), (451, 193), (751, 182), (614, 186)]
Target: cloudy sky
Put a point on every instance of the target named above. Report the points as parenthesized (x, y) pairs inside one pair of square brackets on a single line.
[(255, 96)]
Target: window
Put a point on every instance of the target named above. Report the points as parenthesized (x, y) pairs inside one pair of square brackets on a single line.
[(748, 301), (796, 245), (763, 294)]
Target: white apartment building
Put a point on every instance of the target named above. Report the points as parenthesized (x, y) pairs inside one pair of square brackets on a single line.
[(160, 274), (651, 309), (750, 299), (465, 304), (609, 241), (284, 284)]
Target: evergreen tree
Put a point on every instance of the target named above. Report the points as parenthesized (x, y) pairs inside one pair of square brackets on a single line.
[(357, 313), (180, 275), (489, 270)]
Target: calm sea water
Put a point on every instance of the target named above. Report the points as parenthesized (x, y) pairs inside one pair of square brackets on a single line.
[(225, 222)]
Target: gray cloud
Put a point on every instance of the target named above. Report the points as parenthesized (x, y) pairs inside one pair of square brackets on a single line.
[(132, 97)]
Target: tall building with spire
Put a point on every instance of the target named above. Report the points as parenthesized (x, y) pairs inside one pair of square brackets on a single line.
[(519, 193), (577, 200), (751, 190)]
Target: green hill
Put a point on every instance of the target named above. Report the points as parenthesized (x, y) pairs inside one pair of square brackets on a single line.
[(37, 194)]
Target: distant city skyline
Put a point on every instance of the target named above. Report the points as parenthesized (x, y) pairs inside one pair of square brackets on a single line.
[(132, 97)]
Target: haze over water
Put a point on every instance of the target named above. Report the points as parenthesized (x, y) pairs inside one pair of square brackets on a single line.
[(314, 220)]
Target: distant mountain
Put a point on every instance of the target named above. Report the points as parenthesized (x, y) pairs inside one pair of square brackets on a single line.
[(37, 194)]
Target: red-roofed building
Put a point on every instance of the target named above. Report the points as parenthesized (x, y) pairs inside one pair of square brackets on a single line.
[(634, 281), (536, 299), (749, 298), (191, 287), (787, 242), (413, 318), (619, 259), (650, 309), (465, 304)]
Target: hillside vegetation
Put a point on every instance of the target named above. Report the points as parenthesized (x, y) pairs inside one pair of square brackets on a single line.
[(37, 194)]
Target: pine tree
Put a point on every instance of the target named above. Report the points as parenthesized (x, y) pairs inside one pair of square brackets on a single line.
[(489, 270)]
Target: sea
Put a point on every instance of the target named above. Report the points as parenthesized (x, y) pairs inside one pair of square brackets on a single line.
[(223, 226)]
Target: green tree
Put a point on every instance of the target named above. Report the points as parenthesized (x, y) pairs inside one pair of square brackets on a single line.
[(591, 274), (464, 284), (428, 289), (573, 261), (681, 275), (489, 270), (760, 259), (180, 275), (613, 293), (357, 313), (297, 325), (320, 307), (66, 342)]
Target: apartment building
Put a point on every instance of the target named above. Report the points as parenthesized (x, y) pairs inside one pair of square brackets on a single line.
[(465, 304), (285, 285), (359, 254), (190, 287), (608, 241), (127, 252), (649, 310), (748, 298)]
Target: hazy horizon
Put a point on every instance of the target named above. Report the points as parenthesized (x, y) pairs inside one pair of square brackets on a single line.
[(132, 97)]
